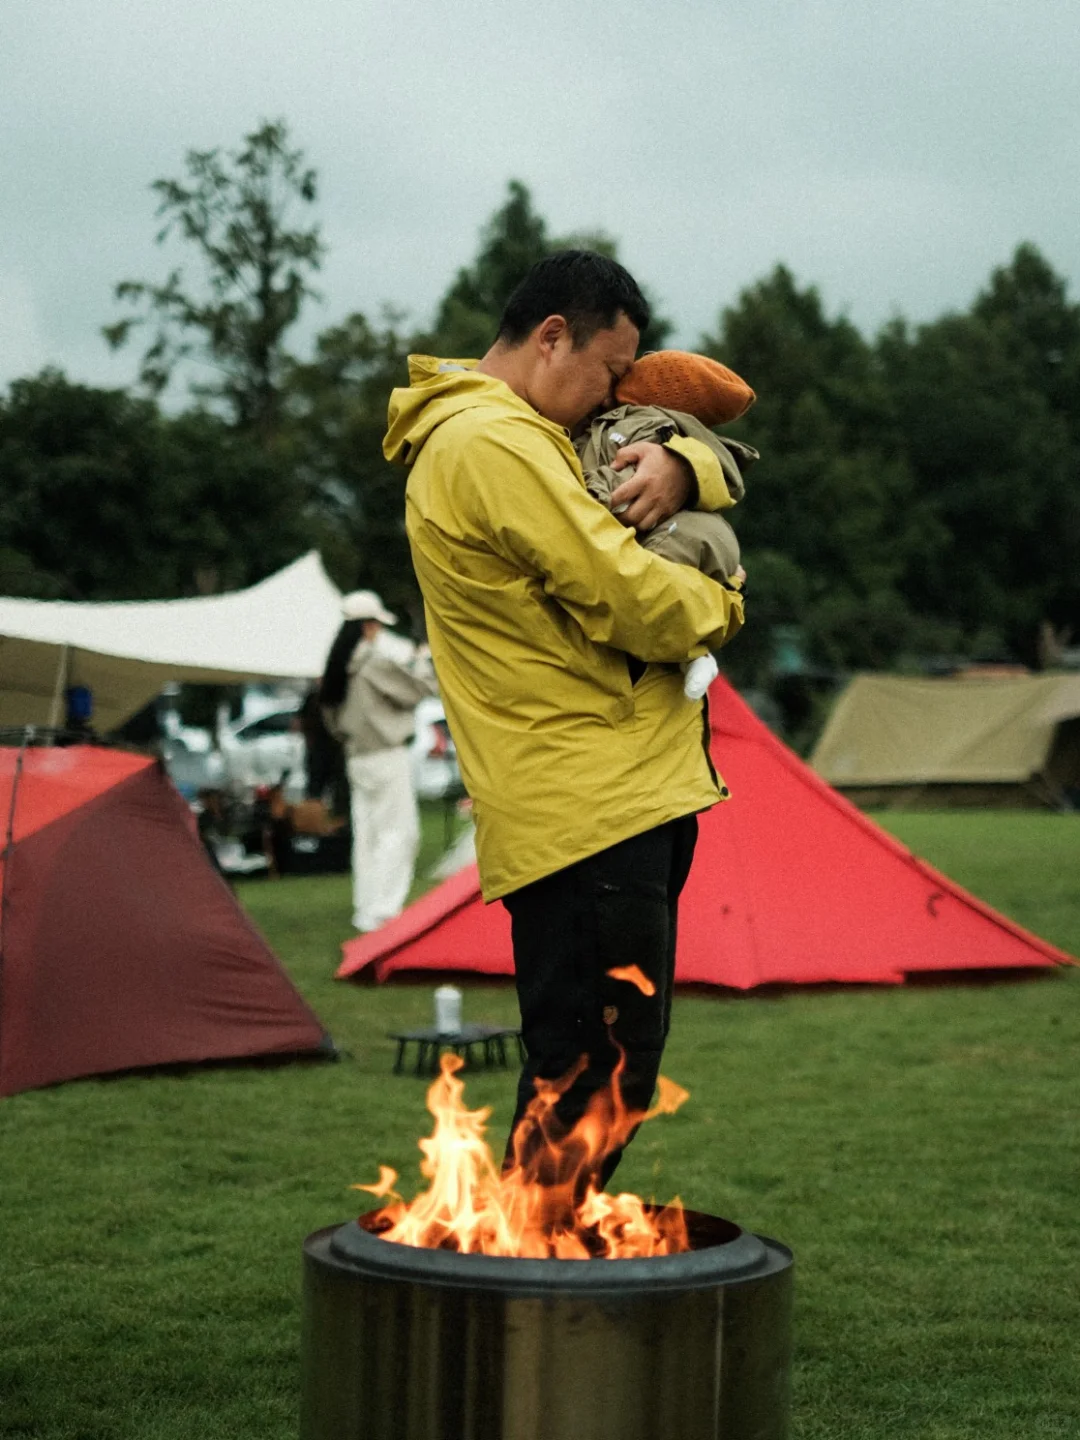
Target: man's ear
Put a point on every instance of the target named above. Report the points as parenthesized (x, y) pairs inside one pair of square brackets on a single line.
[(549, 332)]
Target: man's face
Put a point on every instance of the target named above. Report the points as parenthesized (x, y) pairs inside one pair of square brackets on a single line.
[(570, 385)]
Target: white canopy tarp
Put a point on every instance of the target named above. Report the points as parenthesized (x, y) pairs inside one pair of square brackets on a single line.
[(125, 651)]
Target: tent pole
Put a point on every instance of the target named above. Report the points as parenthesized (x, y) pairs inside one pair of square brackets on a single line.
[(9, 846), (58, 689)]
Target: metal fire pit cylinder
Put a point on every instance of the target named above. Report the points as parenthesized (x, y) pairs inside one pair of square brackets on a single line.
[(402, 1343)]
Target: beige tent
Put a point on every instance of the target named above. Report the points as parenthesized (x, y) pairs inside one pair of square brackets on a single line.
[(981, 740), (124, 652)]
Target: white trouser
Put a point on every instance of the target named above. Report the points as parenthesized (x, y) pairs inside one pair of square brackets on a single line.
[(386, 834)]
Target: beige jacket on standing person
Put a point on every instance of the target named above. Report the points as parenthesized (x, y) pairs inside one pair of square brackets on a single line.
[(388, 676), (699, 538)]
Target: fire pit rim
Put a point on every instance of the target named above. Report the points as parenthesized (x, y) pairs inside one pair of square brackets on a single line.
[(743, 1257)]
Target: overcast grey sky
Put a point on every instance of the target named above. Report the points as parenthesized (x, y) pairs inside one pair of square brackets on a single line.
[(890, 153)]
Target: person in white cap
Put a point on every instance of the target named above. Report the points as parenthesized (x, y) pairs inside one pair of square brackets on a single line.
[(369, 690)]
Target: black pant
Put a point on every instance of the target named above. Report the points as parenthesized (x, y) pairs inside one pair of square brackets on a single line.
[(615, 909)]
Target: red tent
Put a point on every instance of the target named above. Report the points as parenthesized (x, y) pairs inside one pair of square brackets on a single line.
[(790, 884), (120, 947)]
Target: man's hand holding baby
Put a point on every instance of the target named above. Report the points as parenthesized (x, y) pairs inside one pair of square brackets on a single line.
[(662, 482)]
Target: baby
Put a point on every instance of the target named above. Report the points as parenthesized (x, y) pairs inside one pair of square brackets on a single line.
[(666, 393)]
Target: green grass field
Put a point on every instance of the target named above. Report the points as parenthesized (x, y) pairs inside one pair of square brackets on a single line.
[(916, 1146)]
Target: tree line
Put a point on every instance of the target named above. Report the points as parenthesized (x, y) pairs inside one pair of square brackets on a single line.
[(918, 494)]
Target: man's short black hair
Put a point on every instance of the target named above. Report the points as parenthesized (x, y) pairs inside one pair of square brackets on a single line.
[(589, 290)]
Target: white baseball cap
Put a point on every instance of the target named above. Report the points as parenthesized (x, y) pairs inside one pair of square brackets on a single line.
[(366, 605)]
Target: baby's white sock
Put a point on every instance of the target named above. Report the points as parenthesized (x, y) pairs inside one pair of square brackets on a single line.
[(700, 674)]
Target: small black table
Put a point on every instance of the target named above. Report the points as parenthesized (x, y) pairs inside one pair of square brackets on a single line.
[(430, 1042)]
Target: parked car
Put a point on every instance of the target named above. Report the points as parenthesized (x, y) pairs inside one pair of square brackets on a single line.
[(265, 751), (262, 751), (191, 762), (434, 759)]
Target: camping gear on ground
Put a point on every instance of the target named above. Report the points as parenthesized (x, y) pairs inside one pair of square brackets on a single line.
[(449, 1033), (790, 884), (1001, 740), (120, 947), (300, 839), (447, 1009), (430, 1043), (80, 708)]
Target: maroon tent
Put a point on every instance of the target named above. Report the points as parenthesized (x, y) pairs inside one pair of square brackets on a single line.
[(120, 946), (790, 884)]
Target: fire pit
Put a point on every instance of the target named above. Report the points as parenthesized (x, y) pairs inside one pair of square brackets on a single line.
[(524, 1303), (404, 1343)]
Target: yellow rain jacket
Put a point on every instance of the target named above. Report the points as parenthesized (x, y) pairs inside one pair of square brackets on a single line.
[(535, 596)]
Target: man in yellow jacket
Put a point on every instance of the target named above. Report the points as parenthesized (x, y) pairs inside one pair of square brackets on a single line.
[(557, 638)]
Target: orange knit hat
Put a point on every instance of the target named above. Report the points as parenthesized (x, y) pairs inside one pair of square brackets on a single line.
[(679, 380)]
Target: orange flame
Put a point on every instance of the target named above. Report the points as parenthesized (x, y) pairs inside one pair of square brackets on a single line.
[(635, 976), (387, 1176), (546, 1203)]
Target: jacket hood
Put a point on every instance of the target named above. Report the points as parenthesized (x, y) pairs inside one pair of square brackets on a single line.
[(437, 390)]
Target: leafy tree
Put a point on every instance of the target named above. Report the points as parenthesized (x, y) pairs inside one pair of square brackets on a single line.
[(104, 498), (829, 522), (231, 512), (236, 211), (513, 240), (338, 401), (1026, 305), (988, 426), (916, 493), (73, 461)]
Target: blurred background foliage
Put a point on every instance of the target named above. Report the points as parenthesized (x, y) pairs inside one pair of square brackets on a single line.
[(918, 496)]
